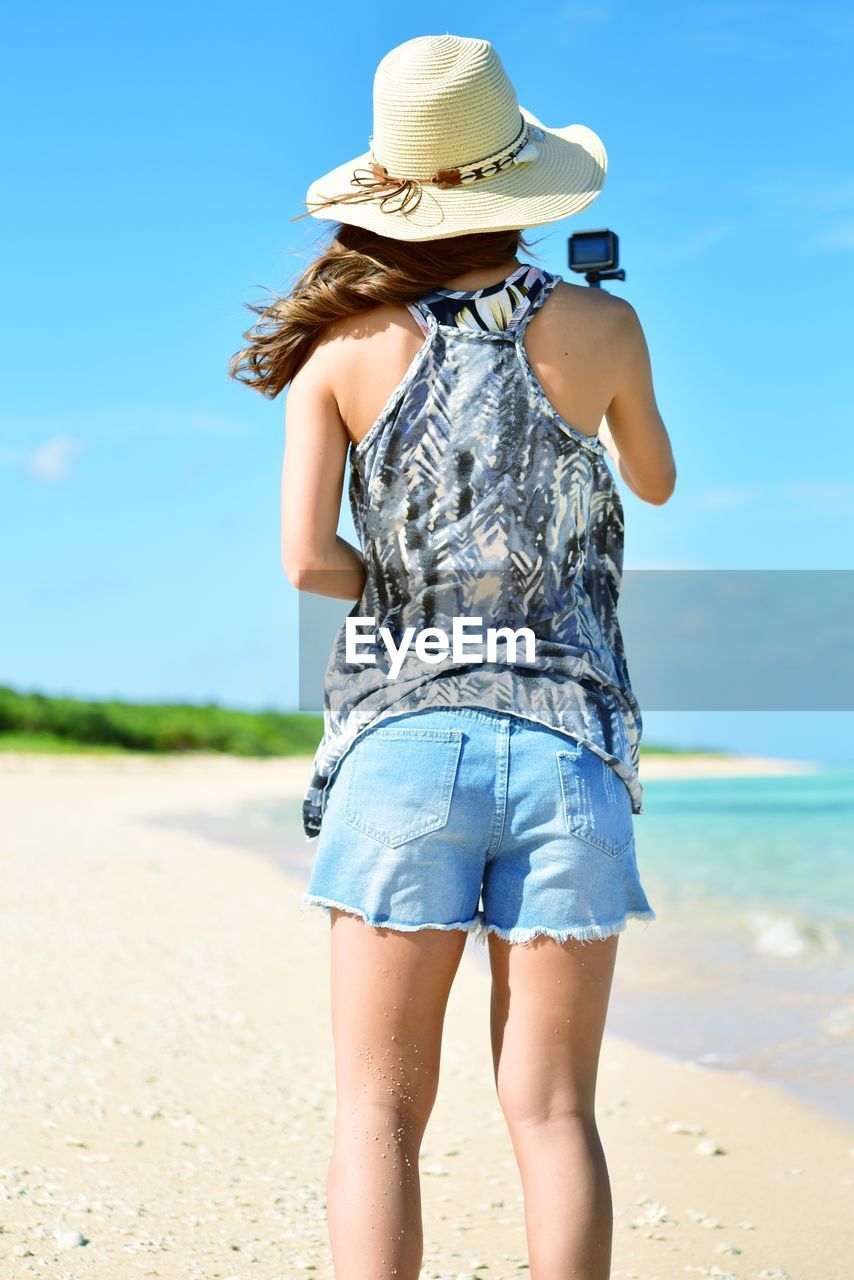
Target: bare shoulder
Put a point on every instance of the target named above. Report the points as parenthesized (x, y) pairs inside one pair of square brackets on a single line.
[(339, 340), (600, 320), (599, 306), (361, 325)]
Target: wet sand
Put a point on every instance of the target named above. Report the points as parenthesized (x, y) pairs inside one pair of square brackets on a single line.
[(167, 1070)]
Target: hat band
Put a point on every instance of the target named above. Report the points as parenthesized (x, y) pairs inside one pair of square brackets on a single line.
[(401, 195)]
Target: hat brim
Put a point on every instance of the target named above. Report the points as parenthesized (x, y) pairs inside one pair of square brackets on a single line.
[(566, 177)]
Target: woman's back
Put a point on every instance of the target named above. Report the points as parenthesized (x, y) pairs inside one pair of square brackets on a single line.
[(472, 495), (573, 346)]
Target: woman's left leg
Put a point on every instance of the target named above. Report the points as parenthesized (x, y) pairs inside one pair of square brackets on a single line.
[(390, 990)]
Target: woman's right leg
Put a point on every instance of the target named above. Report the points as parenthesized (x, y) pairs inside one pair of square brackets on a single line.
[(549, 1003), (390, 990)]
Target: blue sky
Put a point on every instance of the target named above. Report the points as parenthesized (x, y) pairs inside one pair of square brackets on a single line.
[(157, 155)]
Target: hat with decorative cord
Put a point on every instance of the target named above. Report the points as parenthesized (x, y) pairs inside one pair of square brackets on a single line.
[(452, 151)]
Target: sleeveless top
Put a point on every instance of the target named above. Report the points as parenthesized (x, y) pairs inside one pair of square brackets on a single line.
[(473, 498)]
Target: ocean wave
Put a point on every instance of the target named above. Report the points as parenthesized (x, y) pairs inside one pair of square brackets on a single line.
[(786, 937)]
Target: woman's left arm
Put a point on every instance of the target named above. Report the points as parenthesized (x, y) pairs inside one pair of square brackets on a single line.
[(314, 557)]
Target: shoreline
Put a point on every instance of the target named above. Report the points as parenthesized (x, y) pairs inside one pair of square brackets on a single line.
[(296, 769), (169, 1072), (720, 765)]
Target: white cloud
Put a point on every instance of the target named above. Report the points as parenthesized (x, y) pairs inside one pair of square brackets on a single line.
[(52, 460)]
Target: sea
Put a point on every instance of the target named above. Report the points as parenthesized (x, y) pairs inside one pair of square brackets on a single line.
[(749, 965)]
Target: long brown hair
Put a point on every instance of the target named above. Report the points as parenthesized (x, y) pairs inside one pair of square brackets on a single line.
[(357, 270)]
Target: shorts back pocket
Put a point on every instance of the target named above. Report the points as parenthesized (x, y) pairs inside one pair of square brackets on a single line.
[(597, 806), (401, 782)]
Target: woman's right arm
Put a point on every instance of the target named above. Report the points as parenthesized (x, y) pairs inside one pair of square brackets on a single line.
[(632, 430)]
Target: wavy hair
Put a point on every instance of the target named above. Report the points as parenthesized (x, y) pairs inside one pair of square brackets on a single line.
[(356, 270)]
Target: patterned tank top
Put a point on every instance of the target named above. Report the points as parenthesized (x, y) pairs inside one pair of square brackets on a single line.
[(473, 498)]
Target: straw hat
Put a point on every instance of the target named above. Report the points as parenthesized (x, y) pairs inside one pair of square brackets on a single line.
[(452, 151)]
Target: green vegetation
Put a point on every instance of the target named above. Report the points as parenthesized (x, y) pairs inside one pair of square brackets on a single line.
[(37, 722), (40, 723)]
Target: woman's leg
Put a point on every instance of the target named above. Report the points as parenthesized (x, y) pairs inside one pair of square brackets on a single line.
[(549, 1003), (390, 990)]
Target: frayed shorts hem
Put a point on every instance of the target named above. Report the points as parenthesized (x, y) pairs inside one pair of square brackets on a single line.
[(311, 903), (577, 933)]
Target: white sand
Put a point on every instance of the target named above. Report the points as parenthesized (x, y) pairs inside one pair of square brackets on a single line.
[(711, 765), (167, 1072)]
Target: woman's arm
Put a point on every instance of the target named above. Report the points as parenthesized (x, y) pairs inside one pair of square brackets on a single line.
[(314, 557), (632, 430)]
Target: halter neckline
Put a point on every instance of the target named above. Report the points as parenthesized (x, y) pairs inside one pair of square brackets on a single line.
[(487, 289)]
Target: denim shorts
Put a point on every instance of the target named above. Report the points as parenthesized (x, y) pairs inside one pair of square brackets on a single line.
[(472, 819)]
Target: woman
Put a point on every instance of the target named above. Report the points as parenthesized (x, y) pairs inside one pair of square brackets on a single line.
[(470, 389)]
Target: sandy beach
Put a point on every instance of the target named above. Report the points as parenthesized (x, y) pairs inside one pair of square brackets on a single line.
[(167, 1070), (702, 765)]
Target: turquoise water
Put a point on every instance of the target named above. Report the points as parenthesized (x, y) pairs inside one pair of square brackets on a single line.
[(743, 844), (749, 965)]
